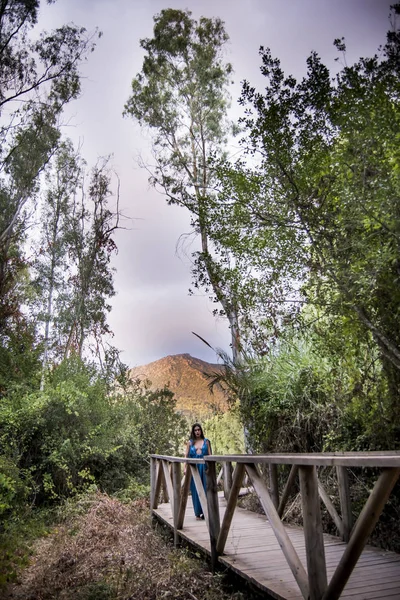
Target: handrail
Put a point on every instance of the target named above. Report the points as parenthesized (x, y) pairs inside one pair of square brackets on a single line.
[(177, 459), (327, 459), (166, 474)]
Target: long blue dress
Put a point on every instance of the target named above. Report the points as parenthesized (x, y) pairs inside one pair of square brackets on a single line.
[(202, 472)]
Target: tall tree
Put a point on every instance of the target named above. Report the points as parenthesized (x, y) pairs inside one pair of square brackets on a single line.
[(328, 189), (181, 95), (90, 228), (52, 267), (37, 78)]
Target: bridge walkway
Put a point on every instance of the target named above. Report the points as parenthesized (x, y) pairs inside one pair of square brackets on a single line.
[(253, 552)]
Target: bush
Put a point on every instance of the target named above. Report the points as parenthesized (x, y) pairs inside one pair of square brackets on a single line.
[(77, 432)]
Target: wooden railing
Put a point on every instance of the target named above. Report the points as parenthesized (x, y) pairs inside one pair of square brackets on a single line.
[(313, 583)]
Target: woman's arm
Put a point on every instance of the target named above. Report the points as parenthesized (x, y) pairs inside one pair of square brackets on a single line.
[(209, 447)]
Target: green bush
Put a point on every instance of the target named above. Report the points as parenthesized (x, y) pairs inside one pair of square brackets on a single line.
[(225, 432), (298, 399), (78, 432)]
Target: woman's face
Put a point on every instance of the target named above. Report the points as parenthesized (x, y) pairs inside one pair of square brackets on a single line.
[(197, 432)]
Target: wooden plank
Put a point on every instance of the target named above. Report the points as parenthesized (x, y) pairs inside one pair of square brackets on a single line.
[(272, 575), (153, 478), (220, 475), (184, 498), (179, 459), (159, 480), (345, 502), (346, 459), (230, 509), (287, 489), (168, 482), (275, 587), (200, 490), (227, 470), (362, 530), (331, 509), (176, 483), (213, 511), (274, 484), (370, 594), (312, 522), (372, 582), (279, 530)]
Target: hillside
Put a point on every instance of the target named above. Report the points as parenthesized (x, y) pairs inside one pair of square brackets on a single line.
[(188, 378)]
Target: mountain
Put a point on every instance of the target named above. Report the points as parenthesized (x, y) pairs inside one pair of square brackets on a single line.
[(188, 378)]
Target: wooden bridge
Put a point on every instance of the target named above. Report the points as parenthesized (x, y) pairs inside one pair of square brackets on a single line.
[(285, 562)]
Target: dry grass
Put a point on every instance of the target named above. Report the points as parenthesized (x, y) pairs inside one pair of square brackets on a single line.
[(111, 553)]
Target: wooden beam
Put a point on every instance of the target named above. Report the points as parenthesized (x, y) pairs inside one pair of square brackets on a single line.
[(288, 550), (345, 502), (331, 509), (184, 498), (287, 489), (230, 508), (220, 475), (200, 490), (213, 511), (153, 478), (345, 459), (227, 469), (176, 483), (274, 484), (362, 530), (159, 480), (168, 483), (313, 535)]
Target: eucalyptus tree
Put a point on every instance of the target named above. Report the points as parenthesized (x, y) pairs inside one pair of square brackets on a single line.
[(52, 268), (90, 226), (181, 95), (37, 78)]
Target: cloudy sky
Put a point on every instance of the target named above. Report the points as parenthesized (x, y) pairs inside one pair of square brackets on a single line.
[(152, 314)]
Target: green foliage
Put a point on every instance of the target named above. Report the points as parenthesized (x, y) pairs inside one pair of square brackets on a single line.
[(37, 78), (76, 433), (225, 432), (298, 399), (329, 153), (312, 231), (17, 534), (19, 358)]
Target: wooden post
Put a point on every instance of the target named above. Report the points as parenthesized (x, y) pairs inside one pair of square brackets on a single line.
[(287, 489), (362, 530), (227, 469), (176, 484), (274, 484), (345, 502), (184, 497), (230, 508), (159, 482), (213, 511), (153, 481), (313, 535)]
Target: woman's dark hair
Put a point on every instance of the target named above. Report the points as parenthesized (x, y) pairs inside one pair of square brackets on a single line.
[(192, 435)]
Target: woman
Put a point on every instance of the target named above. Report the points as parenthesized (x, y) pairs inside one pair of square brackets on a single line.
[(197, 447)]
